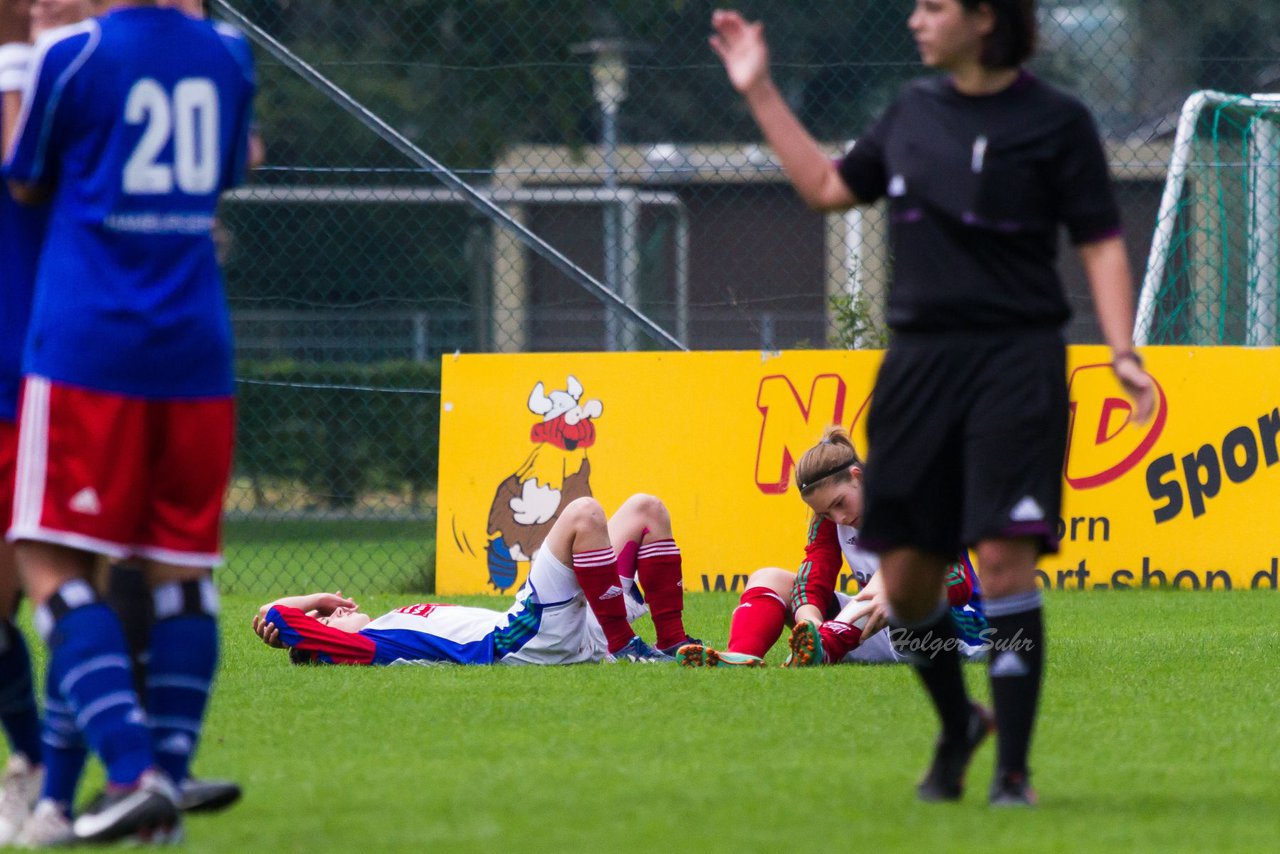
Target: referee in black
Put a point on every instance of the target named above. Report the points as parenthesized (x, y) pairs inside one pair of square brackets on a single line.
[(967, 431)]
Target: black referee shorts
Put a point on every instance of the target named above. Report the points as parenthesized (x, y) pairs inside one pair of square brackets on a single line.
[(967, 434)]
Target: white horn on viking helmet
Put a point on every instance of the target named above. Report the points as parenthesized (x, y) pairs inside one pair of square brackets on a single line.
[(539, 403)]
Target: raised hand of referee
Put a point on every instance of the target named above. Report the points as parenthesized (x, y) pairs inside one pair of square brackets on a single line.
[(741, 46)]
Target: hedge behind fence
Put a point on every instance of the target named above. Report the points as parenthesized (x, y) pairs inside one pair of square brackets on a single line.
[(352, 438)]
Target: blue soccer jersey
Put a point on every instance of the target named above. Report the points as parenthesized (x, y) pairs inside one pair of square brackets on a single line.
[(22, 231), (137, 121)]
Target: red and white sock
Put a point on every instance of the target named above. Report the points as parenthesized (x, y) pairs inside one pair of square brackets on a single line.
[(757, 622), (838, 639), (597, 573), (658, 570)]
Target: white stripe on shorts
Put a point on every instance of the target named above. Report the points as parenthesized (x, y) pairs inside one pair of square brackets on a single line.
[(72, 541), (33, 455)]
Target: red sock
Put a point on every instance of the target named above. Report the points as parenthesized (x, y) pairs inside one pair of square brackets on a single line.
[(597, 572), (838, 639), (627, 560), (661, 579), (757, 621)]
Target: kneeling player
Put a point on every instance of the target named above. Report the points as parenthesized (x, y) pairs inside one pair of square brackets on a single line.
[(830, 626), (576, 606)]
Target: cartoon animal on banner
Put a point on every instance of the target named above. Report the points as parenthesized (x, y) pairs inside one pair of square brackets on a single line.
[(556, 472)]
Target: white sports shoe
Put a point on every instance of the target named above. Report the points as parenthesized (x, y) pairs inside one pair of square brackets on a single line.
[(19, 789), (46, 827)]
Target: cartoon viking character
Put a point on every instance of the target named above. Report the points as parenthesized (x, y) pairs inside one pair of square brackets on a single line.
[(556, 472)]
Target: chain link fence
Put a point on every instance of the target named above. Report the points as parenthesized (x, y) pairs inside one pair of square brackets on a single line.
[(503, 175)]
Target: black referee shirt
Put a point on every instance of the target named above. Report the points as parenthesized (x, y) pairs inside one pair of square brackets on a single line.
[(977, 186)]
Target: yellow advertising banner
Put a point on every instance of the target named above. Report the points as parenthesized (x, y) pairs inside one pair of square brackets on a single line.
[(1187, 500)]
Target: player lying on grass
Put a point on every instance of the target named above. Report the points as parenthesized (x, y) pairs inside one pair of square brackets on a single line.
[(576, 606), (830, 626)]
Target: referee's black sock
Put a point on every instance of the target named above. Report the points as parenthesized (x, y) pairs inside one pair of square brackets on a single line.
[(932, 647), (1016, 669)]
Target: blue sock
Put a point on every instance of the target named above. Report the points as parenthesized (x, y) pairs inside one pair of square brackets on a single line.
[(184, 656), (183, 659), (17, 695), (64, 750), (89, 665)]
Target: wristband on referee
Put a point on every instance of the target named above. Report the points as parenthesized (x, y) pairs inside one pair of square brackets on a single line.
[(1128, 354), (15, 66)]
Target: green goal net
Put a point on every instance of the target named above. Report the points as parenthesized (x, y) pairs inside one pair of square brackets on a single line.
[(1214, 270)]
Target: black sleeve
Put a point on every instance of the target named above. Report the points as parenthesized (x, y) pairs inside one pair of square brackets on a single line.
[(863, 168), (1082, 183)]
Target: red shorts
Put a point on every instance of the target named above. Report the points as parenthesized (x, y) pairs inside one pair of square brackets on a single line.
[(8, 456), (122, 476)]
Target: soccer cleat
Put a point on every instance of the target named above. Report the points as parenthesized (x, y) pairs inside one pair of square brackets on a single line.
[(698, 655), (1011, 790), (19, 789), (944, 780), (639, 651), (692, 655), (675, 648), (196, 795), (146, 810), (806, 646), (733, 659), (46, 827)]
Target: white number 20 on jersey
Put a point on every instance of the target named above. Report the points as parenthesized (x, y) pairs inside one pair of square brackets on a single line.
[(190, 119)]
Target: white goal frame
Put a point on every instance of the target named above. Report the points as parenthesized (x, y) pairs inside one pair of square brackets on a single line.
[(1263, 213)]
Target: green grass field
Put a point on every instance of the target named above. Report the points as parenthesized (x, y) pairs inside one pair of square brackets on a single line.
[(264, 557), (1159, 733)]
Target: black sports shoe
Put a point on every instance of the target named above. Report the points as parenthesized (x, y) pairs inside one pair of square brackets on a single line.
[(150, 806), (1011, 790), (944, 780), (196, 795)]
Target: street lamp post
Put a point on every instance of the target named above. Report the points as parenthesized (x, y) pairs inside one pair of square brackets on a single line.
[(609, 87)]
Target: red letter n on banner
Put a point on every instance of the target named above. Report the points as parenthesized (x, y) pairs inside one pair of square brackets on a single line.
[(789, 425)]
